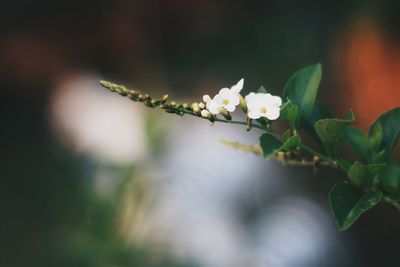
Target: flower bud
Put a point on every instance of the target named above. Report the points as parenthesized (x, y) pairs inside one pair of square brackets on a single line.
[(202, 105), (185, 106), (206, 98), (164, 99), (226, 114), (242, 104), (207, 115), (195, 108), (316, 161)]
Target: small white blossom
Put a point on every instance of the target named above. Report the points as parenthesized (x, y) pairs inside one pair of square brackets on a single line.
[(229, 98), (263, 105), (212, 106)]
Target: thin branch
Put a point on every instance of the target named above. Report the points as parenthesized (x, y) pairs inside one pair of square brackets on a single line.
[(284, 158)]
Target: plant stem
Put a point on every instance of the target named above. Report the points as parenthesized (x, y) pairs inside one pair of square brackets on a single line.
[(315, 153), (282, 158), (252, 125), (392, 203)]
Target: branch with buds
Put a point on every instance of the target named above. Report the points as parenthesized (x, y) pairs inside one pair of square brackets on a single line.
[(373, 178)]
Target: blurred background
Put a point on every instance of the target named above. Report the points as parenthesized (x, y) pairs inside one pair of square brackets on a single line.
[(91, 179)]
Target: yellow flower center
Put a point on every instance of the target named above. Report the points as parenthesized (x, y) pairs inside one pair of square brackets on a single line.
[(225, 101), (263, 110)]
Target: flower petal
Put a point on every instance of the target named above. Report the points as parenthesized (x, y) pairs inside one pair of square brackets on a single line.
[(253, 114), (230, 107), (224, 91), (272, 113), (238, 87), (213, 107), (250, 97), (276, 100)]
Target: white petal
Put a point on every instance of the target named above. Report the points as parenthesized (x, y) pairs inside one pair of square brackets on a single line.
[(272, 113), (250, 97), (218, 99), (238, 87), (224, 91), (234, 99), (230, 107), (213, 107), (253, 114), (277, 100)]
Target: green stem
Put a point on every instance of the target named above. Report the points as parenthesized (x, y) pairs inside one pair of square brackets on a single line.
[(392, 203), (235, 122)]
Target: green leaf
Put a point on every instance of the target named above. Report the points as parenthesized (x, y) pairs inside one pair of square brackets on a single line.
[(269, 144), (330, 131), (302, 88), (390, 176), (379, 157), (289, 113), (359, 174), (343, 164), (385, 131), (358, 140), (348, 203), (375, 136), (286, 135), (291, 143), (375, 168), (319, 112), (262, 90)]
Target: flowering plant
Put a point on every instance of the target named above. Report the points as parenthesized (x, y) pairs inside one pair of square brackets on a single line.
[(373, 178)]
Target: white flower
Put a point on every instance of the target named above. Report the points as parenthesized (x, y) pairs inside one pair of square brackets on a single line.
[(263, 105), (212, 106), (229, 98)]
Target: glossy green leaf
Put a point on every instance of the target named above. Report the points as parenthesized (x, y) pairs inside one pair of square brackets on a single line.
[(375, 168), (330, 132), (385, 131), (359, 174), (289, 113), (302, 88), (379, 157), (348, 203), (343, 164), (375, 136), (286, 135), (319, 112), (389, 176), (291, 143), (262, 90), (358, 140), (269, 144)]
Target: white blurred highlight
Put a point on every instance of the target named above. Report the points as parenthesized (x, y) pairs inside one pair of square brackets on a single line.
[(98, 123), (196, 213)]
